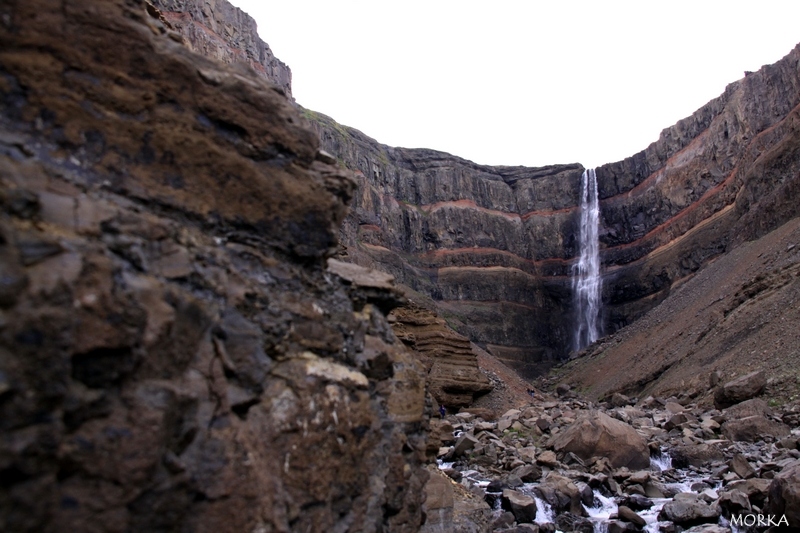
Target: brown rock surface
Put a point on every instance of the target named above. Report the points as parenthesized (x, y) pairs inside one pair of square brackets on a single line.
[(454, 378), (218, 30), (740, 389), (174, 354), (598, 435), (784, 495)]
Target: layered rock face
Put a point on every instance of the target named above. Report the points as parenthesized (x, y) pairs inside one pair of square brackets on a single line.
[(217, 29), (172, 343), (495, 245), (491, 245)]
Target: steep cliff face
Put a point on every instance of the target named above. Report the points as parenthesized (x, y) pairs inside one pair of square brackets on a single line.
[(217, 29), (172, 341), (495, 245)]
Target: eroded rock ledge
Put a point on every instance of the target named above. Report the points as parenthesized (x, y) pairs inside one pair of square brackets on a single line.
[(172, 345)]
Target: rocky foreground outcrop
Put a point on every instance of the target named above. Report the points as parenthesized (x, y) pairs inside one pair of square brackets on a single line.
[(175, 351)]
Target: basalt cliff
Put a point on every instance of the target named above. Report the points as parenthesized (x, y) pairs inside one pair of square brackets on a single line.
[(200, 328), (495, 246)]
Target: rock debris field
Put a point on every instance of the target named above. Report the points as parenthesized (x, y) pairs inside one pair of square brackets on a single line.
[(567, 464)]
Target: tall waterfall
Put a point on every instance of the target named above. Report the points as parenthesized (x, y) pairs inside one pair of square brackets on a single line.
[(586, 281)]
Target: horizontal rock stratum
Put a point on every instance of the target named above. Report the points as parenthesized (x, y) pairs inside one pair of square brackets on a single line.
[(494, 246)]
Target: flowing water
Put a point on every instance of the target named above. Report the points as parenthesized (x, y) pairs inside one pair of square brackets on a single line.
[(586, 280)]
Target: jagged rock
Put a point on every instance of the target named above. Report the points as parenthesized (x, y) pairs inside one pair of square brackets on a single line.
[(753, 428), (438, 506), (598, 435), (784, 495), (627, 514), (221, 31), (740, 389), (505, 520), (756, 489), (521, 505), (734, 502), (619, 400), (741, 466), (464, 443), (561, 493), (689, 512), (695, 455), (752, 407), (529, 473), (574, 522), (453, 374)]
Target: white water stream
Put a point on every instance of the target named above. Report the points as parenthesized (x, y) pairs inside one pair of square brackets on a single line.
[(586, 279)]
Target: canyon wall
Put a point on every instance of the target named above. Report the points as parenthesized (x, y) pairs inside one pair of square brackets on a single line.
[(494, 246), (176, 352)]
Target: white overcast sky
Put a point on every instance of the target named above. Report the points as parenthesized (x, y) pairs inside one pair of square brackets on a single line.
[(520, 82)]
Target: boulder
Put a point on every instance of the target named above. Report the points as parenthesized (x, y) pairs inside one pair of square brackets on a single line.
[(629, 515), (741, 466), (598, 435), (689, 512), (695, 455), (561, 493), (521, 505), (740, 389), (755, 406), (574, 522), (438, 506), (784, 494), (754, 428)]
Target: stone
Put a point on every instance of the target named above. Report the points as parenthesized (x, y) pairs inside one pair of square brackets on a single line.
[(629, 515), (754, 428), (561, 493), (529, 473), (598, 435), (464, 444), (740, 389), (619, 400), (734, 502), (618, 526), (574, 522), (741, 466), (547, 458), (521, 505), (695, 455), (687, 513), (784, 494)]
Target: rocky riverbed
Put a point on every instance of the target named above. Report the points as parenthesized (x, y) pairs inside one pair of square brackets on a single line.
[(654, 464)]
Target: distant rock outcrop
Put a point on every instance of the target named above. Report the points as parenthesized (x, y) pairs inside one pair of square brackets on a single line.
[(454, 378), (221, 31)]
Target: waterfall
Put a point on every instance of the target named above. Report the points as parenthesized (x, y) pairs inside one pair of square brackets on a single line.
[(586, 281)]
